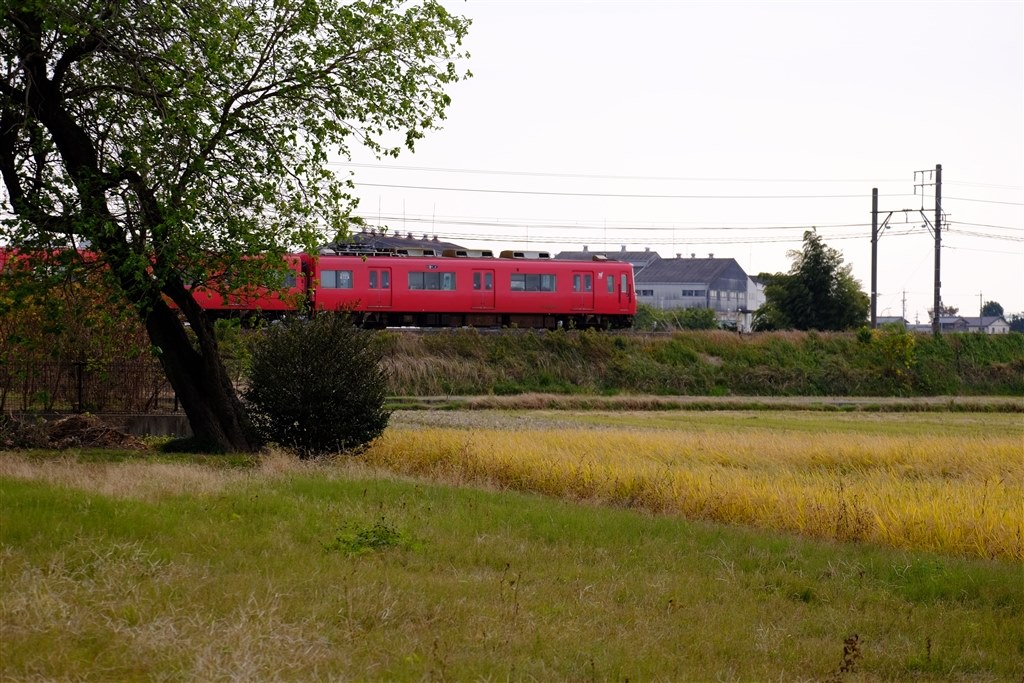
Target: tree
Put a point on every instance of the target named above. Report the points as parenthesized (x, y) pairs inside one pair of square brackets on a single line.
[(187, 143), (992, 309), (818, 293), (317, 386), (944, 312)]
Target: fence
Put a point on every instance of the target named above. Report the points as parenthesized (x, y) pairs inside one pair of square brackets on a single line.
[(82, 386)]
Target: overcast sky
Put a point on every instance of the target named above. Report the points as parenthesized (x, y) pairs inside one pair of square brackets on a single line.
[(730, 128)]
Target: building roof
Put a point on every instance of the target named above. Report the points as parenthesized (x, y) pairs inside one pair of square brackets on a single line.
[(703, 270), (390, 241), (639, 259), (985, 320)]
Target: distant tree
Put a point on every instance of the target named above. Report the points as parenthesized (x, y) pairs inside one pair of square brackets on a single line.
[(1016, 322), (944, 312), (991, 309), (818, 293), (178, 139)]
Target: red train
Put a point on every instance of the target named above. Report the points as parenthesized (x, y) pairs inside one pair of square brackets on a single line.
[(453, 290)]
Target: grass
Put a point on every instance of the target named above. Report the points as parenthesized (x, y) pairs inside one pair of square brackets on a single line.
[(126, 567), (952, 483)]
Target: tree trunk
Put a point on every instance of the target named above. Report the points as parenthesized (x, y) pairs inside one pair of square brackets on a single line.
[(214, 411)]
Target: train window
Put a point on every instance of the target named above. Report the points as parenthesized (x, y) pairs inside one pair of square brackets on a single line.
[(476, 280), (373, 279), (385, 279), (624, 284), (588, 283), (289, 279), (444, 281), (336, 279), (529, 282), (611, 284), (488, 281), (575, 283)]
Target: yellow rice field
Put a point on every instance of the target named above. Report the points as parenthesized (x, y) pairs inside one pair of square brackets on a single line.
[(952, 494)]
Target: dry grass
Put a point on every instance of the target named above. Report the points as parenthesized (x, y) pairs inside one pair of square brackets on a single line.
[(958, 495), (141, 480)]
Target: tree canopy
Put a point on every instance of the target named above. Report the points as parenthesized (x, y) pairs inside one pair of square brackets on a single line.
[(174, 141), (992, 308), (818, 293)]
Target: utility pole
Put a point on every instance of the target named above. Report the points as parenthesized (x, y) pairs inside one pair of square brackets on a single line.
[(936, 230), (874, 257), (936, 327)]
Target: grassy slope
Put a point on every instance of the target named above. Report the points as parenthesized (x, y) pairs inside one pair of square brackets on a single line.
[(707, 363), (142, 570)]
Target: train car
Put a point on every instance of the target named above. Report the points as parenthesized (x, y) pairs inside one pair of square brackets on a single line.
[(261, 301), (438, 291)]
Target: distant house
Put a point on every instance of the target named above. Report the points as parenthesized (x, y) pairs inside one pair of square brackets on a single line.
[(892, 320), (953, 323), (395, 242), (988, 324), (638, 259)]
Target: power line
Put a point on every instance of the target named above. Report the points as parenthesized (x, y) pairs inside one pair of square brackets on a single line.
[(985, 201), (599, 176), (614, 195), (619, 226), (983, 225)]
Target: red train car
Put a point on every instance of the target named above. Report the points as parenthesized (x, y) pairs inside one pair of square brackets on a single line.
[(389, 290), (291, 297), (439, 291)]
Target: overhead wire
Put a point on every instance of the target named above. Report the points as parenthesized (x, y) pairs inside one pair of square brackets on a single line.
[(610, 195)]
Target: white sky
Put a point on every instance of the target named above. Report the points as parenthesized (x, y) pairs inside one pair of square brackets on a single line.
[(734, 126)]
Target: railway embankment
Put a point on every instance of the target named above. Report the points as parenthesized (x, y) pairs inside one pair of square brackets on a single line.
[(895, 364)]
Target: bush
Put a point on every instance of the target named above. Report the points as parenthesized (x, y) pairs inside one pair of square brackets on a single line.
[(317, 386)]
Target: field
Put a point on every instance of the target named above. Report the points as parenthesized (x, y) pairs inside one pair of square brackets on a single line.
[(943, 482), (533, 545)]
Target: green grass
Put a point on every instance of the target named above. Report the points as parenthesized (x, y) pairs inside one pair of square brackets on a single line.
[(291, 572)]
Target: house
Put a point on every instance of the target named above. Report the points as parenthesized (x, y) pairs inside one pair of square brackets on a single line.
[(374, 240), (638, 259), (892, 320), (953, 323), (716, 283), (988, 324)]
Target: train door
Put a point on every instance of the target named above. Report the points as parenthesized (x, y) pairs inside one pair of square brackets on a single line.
[(582, 290), (380, 288), (483, 289), (623, 291)]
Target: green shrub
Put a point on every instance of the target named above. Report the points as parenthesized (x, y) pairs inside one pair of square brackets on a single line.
[(317, 386)]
